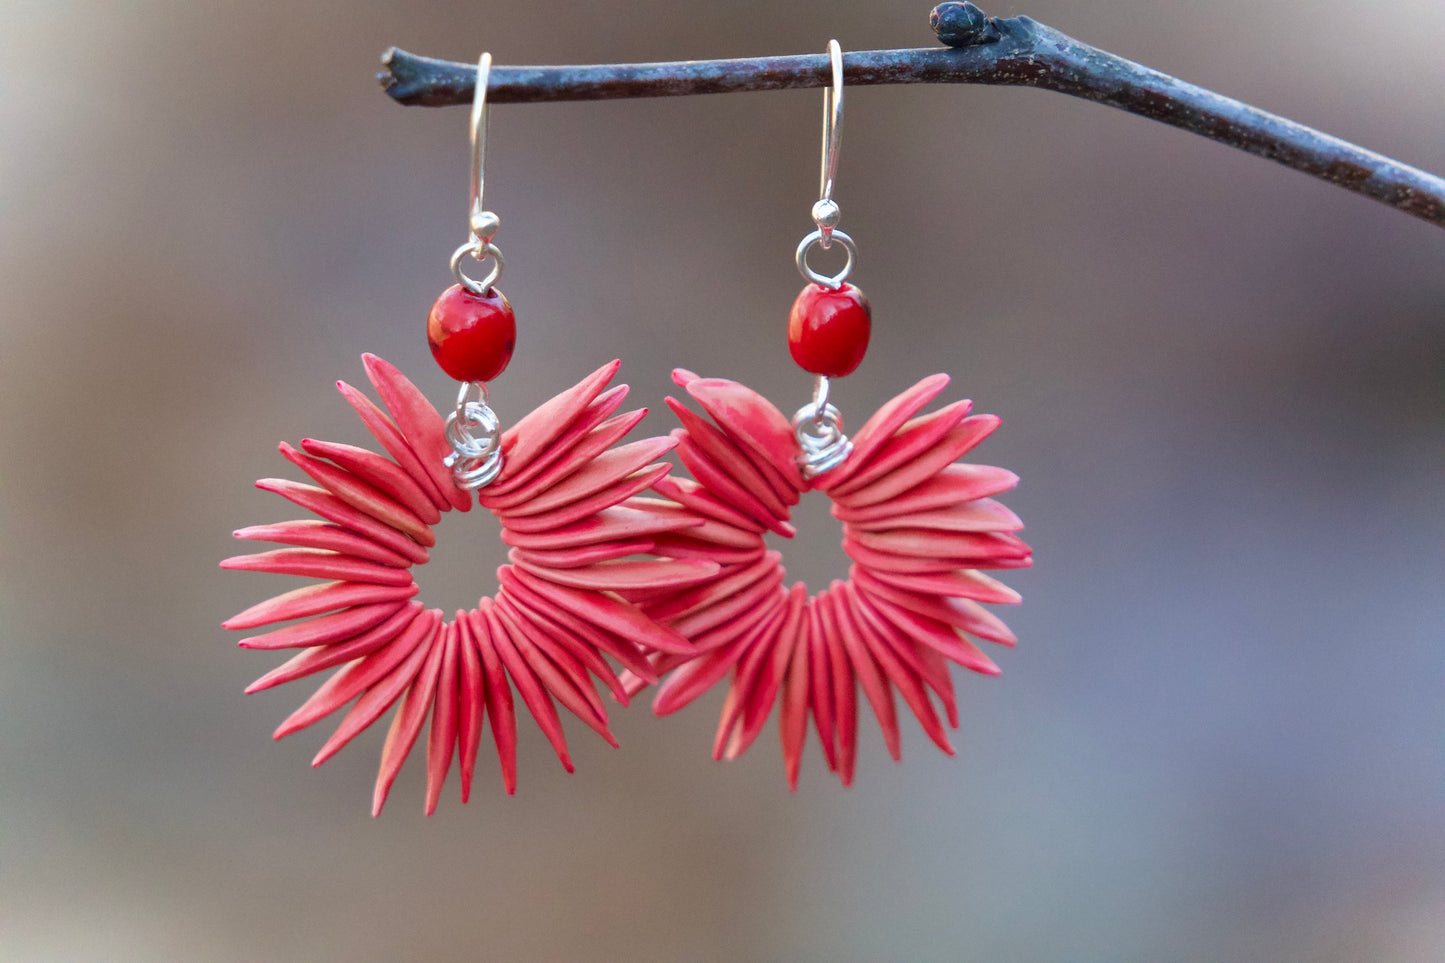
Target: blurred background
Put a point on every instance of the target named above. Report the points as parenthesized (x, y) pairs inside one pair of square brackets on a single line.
[(1220, 737)]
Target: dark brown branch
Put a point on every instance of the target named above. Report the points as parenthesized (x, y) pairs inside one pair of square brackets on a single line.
[(1014, 52)]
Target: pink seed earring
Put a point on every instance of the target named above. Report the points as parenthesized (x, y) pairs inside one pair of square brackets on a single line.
[(919, 526), (556, 481)]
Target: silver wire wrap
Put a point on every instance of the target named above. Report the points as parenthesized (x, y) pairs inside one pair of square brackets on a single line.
[(819, 430), (475, 434), (481, 223)]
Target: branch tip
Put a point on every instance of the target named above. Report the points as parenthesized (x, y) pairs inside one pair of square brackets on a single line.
[(385, 77)]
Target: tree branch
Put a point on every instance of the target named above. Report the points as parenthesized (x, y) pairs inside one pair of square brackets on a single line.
[(1013, 52)]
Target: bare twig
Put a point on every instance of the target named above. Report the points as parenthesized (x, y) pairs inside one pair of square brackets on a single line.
[(1017, 52)]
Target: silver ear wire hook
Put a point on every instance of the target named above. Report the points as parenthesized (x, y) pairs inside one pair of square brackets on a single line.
[(479, 143), (481, 223), (825, 211)]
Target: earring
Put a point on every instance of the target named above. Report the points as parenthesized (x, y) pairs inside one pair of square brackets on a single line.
[(559, 488), (918, 525)]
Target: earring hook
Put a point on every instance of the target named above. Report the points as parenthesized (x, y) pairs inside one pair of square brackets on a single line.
[(825, 211), (476, 220), (482, 223)]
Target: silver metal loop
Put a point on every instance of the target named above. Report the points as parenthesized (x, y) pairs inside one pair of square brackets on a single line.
[(475, 433), (474, 473), (461, 432), (480, 251), (818, 427), (834, 281), (832, 141)]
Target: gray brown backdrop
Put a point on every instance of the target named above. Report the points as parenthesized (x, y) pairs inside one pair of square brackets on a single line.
[(1221, 735)]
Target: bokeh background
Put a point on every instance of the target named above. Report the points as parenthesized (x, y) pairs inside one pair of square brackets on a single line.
[(1221, 735)]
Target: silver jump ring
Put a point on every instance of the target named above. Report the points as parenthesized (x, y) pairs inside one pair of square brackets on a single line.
[(480, 251), (474, 432), (476, 464), (474, 473), (472, 413), (462, 431), (834, 281)]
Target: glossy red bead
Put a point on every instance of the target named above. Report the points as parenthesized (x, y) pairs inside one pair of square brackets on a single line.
[(471, 336), (828, 330)]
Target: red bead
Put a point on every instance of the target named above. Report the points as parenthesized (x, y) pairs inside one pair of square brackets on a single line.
[(828, 330), (471, 336)]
